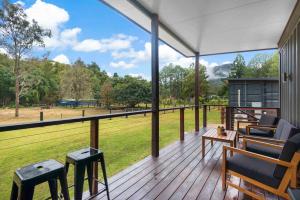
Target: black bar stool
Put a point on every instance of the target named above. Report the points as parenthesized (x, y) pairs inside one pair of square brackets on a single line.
[(26, 178), (83, 159)]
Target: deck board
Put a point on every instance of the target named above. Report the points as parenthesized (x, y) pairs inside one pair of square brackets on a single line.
[(179, 173)]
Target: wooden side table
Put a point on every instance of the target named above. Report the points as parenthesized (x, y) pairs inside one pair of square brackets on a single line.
[(212, 135)]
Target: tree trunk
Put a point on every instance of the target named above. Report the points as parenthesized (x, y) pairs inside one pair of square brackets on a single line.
[(17, 96), (17, 74)]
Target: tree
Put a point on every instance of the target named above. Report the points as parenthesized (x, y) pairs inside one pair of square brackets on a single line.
[(264, 65), (239, 67), (107, 94), (132, 90), (76, 82), (18, 35), (6, 85), (98, 79)]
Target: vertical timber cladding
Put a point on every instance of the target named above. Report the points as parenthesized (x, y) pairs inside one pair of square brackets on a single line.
[(254, 92), (290, 73)]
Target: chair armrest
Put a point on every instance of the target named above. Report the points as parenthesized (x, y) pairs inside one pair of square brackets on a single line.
[(266, 128), (264, 139), (245, 122), (246, 141), (255, 155)]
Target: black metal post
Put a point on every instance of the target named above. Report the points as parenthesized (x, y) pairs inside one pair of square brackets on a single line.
[(197, 92), (41, 116), (155, 85), (204, 116), (181, 124)]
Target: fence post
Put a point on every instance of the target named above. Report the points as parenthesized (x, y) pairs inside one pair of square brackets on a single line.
[(204, 116), (181, 124), (83, 113), (41, 116), (94, 143)]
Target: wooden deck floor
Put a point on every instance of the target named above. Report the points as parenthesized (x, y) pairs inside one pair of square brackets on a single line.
[(179, 173)]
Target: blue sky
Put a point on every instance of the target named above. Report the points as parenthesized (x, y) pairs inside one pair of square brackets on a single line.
[(90, 30)]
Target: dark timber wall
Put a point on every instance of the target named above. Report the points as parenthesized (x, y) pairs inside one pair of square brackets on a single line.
[(289, 48), (254, 91)]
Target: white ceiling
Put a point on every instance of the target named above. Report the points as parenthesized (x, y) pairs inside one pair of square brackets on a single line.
[(213, 26)]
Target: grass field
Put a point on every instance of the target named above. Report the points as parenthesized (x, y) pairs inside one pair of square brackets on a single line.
[(124, 141)]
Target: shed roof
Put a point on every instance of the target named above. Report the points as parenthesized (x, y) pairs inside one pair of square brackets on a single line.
[(253, 79), (212, 26)]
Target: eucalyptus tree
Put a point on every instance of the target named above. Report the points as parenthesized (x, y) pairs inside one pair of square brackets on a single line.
[(18, 36)]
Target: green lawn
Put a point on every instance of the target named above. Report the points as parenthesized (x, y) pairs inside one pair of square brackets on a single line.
[(124, 141)]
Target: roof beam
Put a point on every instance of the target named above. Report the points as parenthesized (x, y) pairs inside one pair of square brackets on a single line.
[(144, 10)]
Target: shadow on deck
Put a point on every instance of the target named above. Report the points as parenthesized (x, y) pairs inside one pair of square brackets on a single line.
[(179, 173)]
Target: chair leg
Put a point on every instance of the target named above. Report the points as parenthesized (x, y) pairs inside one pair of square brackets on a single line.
[(14, 192), (78, 181), (53, 189), (64, 185), (26, 192), (67, 167), (89, 169), (104, 175)]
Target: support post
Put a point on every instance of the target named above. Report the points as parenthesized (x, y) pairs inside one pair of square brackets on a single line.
[(155, 85), (94, 142), (197, 92), (204, 116), (229, 118), (181, 124)]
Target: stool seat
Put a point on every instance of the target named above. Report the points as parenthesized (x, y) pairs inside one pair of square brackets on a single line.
[(38, 172), (26, 178), (86, 159), (88, 154)]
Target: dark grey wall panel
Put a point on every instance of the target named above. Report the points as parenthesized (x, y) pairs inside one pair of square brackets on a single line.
[(289, 64), (264, 90)]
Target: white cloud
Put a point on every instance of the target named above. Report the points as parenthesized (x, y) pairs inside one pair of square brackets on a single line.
[(3, 51), (140, 75), (88, 45), (21, 3), (62, 59), (122, 64), (48, 15), (114, 43)]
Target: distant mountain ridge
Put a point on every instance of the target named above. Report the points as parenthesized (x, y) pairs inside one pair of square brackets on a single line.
[(222, 71)]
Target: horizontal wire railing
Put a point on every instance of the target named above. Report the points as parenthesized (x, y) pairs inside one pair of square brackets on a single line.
[(22, 144)]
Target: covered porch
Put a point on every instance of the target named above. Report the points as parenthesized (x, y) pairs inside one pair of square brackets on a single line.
[(179, 172)]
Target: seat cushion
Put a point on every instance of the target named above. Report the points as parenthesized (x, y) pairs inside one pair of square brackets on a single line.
[(263, 150), (290, 147), (256, 132), (254, 168), (267, 120)]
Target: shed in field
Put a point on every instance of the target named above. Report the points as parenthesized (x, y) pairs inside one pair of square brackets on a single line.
[(254, 92)]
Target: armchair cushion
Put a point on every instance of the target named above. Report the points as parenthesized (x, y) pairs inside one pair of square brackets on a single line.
[(268, 120), (263, 150), (254, 168), (284, 130), (256, 132), (290, 147)]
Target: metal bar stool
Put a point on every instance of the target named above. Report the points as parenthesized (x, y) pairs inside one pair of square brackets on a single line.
[(83, 159), (26, 178)]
